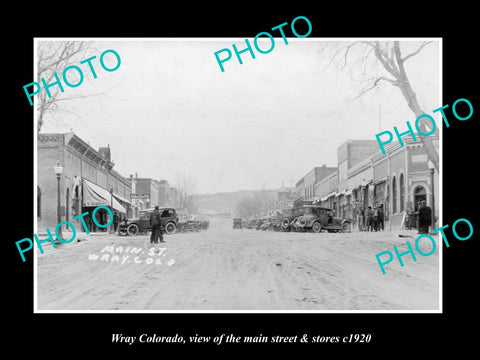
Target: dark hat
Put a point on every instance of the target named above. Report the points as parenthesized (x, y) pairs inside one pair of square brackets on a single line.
[(156, 207)]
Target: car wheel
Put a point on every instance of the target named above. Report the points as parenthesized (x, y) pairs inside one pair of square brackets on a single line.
[(346, 227), (133, 230), (316, 227), (170, 228)]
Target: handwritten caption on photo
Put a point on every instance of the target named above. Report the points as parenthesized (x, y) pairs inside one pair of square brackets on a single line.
[(131, 255)]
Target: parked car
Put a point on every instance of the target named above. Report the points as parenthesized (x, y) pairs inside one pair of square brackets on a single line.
[(191, 223), (251, 223), (288, 218), (237, 223), (141, 224), (317, 218)]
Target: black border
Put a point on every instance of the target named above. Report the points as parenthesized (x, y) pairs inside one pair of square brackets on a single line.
[(64, 334)]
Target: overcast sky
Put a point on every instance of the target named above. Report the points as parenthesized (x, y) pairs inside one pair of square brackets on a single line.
[(169, 110)]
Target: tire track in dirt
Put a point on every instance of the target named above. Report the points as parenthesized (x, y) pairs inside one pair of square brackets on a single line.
[(225, 269)]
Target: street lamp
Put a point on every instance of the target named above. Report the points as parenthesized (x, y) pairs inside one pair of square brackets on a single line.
[(58, 172), (431, 166), (111, 207)]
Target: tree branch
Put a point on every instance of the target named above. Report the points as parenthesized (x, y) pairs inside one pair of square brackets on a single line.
[(374, 85), (346, 48), (386, 64), (425, 43)]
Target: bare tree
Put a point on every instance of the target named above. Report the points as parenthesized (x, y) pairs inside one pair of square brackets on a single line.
[(390, 56), (186, 186), (52, 58), (256, 204)]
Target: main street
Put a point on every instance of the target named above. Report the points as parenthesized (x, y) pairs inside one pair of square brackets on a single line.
[(226, 269)]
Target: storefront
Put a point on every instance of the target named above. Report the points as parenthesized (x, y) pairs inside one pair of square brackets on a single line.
[(93, 196)]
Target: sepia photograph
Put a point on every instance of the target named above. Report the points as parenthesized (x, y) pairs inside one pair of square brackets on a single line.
[(226, 175)]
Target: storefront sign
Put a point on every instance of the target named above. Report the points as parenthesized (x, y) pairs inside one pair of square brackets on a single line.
[(139, 197)]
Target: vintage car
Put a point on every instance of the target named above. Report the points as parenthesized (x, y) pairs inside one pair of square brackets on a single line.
[(237, 223), (276, 221), (317, 218), (289, 216), (141, 224), (251, 223), (261, 224), (191, 223)]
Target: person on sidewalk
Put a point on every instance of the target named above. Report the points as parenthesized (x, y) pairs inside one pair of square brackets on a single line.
[(115, 221), (360, 218), (424, 218), (375, 219), (410, 223), (369, 219), (381, 218)]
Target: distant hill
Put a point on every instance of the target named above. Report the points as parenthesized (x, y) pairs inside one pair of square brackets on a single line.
[(225, 202)]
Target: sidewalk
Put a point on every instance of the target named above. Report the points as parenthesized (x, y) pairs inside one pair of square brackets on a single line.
[(67, 235)]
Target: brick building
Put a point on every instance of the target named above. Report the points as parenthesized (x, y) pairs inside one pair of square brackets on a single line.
[(163, 193), (365, 177), (148, 189), (305, 187), (88, 180)]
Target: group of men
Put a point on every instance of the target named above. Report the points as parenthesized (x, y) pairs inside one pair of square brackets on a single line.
[(370, 220), (157, 227), (424, 217)]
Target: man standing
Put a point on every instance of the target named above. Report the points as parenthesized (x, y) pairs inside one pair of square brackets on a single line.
[(410, 222), (155, 223), (369, 219), (115, 221), (359, 218), (381, 218), (375, 219), (157, 228), (424, 218)]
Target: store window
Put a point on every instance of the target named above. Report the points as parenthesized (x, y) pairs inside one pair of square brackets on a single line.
[(402, 193)]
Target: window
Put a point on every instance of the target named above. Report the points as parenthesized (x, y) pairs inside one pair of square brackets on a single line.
[(167, 213), (402, 193), (39, 203), (394, 195)]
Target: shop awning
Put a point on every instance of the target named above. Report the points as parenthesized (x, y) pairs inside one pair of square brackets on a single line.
[(329, 195), (94, 195), (377, 181), (121, 199)]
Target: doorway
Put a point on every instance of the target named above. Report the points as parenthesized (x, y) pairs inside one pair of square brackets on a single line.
[(419, 194)]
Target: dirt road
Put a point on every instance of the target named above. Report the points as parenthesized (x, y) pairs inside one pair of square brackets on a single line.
[(225, 269)]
